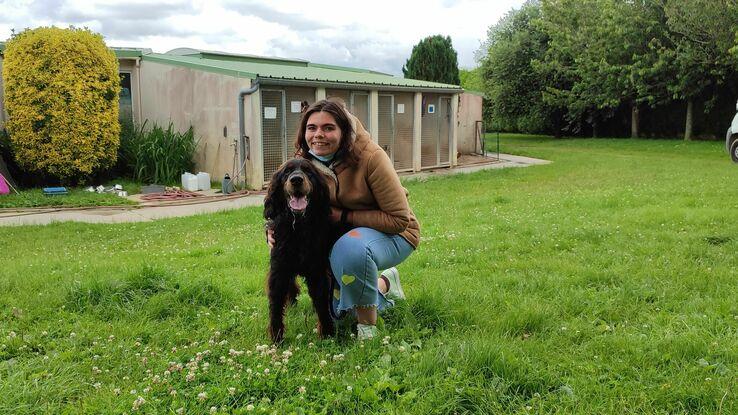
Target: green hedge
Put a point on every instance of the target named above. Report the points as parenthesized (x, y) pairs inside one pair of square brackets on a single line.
[(61, 95)]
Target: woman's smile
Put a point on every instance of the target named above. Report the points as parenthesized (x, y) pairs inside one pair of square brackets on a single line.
[(322, 134)]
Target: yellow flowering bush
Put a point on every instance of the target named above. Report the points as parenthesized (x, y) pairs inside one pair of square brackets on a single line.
[(61, 95)]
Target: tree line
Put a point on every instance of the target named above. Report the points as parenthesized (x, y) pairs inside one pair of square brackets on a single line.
[(611, 67)]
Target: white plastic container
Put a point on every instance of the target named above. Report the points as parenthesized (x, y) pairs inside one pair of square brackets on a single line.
[(203, 181), (189, 182)]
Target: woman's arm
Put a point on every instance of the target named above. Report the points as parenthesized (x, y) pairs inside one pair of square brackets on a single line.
[(393, 215)]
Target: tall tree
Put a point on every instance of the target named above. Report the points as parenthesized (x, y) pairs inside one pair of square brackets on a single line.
[(570, 57), (703, 32), (433, 59), (513, 84), (600, 48), (636, 29), (471, 79)]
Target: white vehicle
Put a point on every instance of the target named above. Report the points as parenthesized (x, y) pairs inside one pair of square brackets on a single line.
[(731, 138)]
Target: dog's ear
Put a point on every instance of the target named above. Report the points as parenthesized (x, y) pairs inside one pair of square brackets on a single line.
[(275, 202)]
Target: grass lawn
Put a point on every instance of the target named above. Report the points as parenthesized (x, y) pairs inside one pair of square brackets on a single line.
[(603, 283), (77, 197)]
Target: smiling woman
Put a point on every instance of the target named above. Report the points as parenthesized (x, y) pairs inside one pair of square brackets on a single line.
[(326, 131), (366, 197), (322, 135)]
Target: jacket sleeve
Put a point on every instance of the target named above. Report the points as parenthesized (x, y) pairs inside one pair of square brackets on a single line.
[(393, 215)]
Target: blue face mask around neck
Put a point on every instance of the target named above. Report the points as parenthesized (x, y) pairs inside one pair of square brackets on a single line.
[(324, 159)]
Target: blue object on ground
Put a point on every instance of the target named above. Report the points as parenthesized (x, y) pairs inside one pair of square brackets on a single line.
[(53, 191)]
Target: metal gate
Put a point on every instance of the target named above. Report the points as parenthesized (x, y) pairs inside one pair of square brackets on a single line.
[(444, 130), (344, 94), (273, 130), (429, 132), (435, 135), (360, 107), (357, 103), (281, 115), (386, 132), (404, 120)]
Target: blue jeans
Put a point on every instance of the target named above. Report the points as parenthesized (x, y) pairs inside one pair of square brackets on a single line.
[(356, 259)]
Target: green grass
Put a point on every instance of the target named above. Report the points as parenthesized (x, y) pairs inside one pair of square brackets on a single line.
[(77, 197), (603, 283)]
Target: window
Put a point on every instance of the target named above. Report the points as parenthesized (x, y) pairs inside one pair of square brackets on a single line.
[(125, 102)]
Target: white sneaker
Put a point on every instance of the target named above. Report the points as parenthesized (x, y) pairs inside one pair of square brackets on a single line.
[(395, 288), (365, 332)]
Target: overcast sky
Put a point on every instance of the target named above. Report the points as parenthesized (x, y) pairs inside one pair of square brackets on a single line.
[(376, 34)]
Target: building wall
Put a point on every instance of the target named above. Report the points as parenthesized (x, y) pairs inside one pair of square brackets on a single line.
[(470, 111), (207, 101)]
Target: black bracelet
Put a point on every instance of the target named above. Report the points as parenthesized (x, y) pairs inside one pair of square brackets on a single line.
[(344, 216)]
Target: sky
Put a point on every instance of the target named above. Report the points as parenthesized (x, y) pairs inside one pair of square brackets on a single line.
[(376, 34)]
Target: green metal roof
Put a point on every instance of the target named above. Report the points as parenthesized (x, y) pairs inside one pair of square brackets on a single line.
[(212, 54), (122, 53), (278, 69), (345, 68)]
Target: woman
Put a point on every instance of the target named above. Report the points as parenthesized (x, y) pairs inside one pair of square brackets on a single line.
[(366, 195)]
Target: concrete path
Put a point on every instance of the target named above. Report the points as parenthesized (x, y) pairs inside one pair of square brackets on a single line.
[(150, 213), (506, 160)]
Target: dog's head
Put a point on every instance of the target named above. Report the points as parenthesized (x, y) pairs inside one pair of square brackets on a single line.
[(297, 186)]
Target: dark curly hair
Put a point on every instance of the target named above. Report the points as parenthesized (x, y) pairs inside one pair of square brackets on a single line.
[(343, 121)]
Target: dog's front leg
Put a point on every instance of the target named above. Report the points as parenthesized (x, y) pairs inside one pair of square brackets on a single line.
[(278, 285), (319, 289)]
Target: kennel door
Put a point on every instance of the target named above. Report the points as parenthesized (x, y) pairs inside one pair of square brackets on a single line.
[(429, 131), (444, 130), (273, 130), (360, 107), (386, 138), (402, 150)]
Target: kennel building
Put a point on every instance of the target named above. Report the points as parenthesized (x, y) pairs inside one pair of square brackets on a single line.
[(245, 109)]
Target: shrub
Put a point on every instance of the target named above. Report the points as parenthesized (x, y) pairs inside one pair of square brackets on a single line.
[(126, 162), (61, 94), (159, 155)]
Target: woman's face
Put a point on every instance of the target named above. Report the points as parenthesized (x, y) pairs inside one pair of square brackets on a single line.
[(322, 134)]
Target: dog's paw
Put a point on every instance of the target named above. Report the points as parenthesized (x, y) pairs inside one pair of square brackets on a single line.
[(326, 330), (276, 334)]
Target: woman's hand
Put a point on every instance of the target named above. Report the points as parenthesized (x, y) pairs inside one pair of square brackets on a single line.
[(270, 238), (335, 215)]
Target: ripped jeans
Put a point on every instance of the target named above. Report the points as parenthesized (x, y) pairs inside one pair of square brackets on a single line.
[(356, 259)]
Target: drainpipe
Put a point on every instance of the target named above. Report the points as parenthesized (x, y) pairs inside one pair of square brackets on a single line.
[(138, 90), (242, 137)]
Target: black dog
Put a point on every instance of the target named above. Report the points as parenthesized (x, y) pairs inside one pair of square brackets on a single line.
[(297, 208)]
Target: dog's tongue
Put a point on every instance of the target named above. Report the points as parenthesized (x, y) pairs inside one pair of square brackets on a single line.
[(298, 203)]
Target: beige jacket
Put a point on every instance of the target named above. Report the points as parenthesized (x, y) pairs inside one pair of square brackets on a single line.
[(371, 190)]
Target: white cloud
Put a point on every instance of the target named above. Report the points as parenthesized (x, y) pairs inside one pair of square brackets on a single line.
[(376, 35)]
